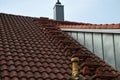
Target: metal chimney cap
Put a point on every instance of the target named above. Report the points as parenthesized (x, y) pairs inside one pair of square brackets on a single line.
[(58, 2)]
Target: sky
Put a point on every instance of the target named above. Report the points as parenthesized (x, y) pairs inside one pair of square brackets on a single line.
[(88, 11)]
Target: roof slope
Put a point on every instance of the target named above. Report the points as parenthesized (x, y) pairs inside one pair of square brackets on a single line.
[(34, 49)]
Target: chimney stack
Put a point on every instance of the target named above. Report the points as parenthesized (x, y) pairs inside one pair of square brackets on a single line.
[(58, 11)]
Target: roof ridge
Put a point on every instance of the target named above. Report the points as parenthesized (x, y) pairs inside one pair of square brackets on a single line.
[(88, 61), (91, 26), (10, 14)]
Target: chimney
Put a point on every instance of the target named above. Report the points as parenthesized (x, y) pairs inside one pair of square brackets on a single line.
[(58, 11)]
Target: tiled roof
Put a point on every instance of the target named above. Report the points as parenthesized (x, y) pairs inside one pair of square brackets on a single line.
[(35, 49), (92, 26)]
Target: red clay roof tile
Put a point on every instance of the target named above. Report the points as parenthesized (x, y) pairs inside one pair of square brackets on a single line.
[(91, 26), (34, 49)]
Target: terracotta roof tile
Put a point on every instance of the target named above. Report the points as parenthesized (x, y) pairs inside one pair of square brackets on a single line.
[(91, 26), (35, 49), (5, 78), (53, 76)]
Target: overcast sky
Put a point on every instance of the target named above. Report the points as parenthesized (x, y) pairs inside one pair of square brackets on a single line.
[(88, 11)]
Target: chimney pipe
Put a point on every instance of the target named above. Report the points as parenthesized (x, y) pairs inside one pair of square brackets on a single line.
[(75, 68)]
